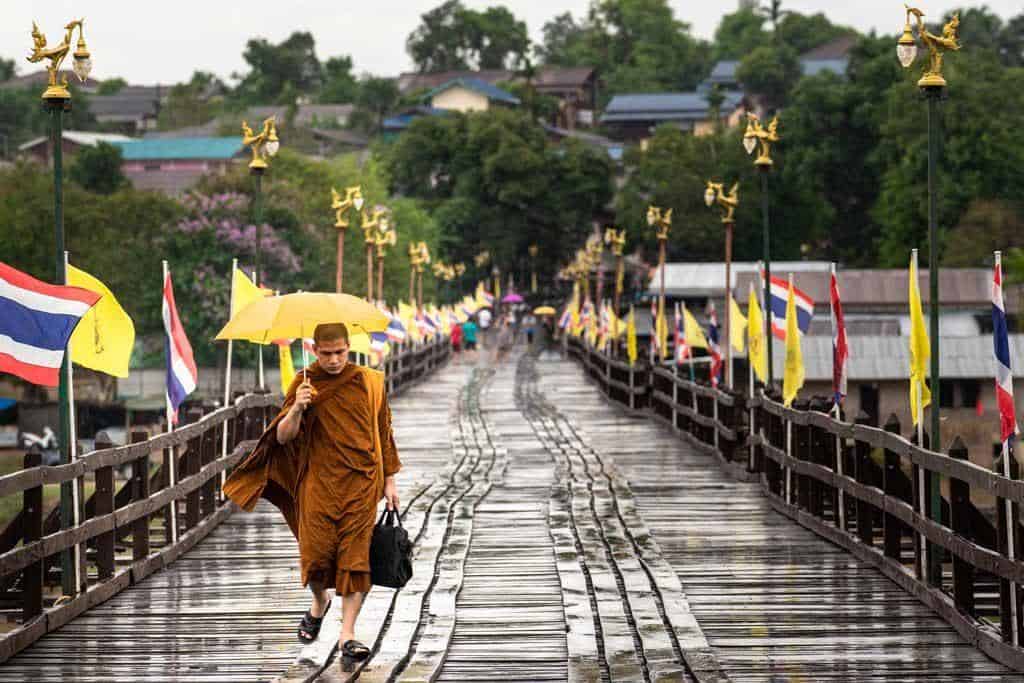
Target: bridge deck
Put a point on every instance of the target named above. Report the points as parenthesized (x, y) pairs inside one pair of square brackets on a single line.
[(556, 539)]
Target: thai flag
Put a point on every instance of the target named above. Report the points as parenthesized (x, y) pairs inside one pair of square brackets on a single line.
[(566, 318), (682, 349), (395, 330), (435, 318), (840, 348), (307, 346), (488, 297), (1001, 345), (587, 313), (713, 346), (423, 323), (182, 376), (378, 341), (804, 307), (36, 321)]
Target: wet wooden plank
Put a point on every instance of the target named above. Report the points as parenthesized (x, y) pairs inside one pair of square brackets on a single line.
[(775, 601)]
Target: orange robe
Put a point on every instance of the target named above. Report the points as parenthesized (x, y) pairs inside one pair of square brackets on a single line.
[(328, 480)]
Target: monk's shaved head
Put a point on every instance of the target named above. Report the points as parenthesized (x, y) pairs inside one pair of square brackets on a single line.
[(330, 332)]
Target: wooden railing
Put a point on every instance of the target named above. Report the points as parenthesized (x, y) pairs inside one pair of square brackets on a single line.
[(857, 486), (127, 534)]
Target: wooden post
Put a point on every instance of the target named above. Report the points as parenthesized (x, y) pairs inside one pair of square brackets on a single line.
[(32, 575), (1007, 611), (891, 527), (864, 474), (340, 275), (140, 491), (192, 454), (801, 451), (960, 518), (728, 307), (104, 505), (816, 453), (208, 454)]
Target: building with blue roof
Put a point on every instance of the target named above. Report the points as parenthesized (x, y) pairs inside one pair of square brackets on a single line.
[(635, 116), (173, 165), (469, 94)]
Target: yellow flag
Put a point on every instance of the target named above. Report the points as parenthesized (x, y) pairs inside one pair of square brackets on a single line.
[(793, 379), (244, 292), (631, 336), (284, 357), (104, 338), (662, 330), (408, 316), (737, 325), (755, 337), (695, 338), (920, 349)]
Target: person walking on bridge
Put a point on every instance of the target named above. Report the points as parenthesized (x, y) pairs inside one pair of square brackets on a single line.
[(325, 461)]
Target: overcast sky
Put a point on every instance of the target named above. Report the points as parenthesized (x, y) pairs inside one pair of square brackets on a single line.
[(147, 42)]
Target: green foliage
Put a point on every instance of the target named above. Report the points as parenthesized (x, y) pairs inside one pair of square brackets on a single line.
[(739, 34), (453, 37), (340, 86), (22, 118), (98, 169), (980, 157), (770, 72), (192, 103), (488, 178), (804, 32), (111, 86), (7, 69), (376, 97), (280, 73)]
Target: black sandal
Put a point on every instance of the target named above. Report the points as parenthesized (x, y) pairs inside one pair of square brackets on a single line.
[(311, 625), (353, 653)]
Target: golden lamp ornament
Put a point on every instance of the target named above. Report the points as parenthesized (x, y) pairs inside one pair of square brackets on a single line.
[(756, 134), (372, 222), (715, 194), (58, 89), (353, 198), (616, 240), (263, 145), (660, 220), (906, 46)]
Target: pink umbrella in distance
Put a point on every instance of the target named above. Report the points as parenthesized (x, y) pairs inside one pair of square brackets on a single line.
[(512, 298)]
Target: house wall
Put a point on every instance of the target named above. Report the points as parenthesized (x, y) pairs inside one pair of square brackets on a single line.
[(979, 433), (170, 176), (41, 152), (460, 99)]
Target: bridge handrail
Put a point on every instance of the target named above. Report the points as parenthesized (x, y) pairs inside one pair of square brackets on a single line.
[(825, 465), (195, 449)]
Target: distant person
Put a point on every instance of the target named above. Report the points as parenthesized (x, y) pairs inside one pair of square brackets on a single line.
[(325, 461), (484, 318), (506, 338), (530, 325), (455, 333), (469, 331)]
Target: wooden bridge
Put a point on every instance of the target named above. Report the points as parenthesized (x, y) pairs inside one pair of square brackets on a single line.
[(633, 527)]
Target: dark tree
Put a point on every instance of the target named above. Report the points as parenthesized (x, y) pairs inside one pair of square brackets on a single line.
[(98, 169)]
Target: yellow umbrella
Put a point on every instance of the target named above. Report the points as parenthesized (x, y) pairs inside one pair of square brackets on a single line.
[(544, 310), (294, 316)]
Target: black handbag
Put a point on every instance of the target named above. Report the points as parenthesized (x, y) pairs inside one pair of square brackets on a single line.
[(390, 552)]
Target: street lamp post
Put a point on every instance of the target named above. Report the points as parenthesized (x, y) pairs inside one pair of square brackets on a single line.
[(534, 250), (933, 87), (353, 198), (757, 135), (370, 223), (57, 100), (617, 241), (385, 237), (728, 203), (263, 145), (424, 260), (414, 257), (662, 222)]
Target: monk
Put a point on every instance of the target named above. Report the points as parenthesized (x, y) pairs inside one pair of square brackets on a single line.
[(325, 461)]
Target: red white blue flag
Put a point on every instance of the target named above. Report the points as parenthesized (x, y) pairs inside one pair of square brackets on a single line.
[(714, 348), (682, 349), (396, 330), (1001, 345), (36, 321), (566, 318), (840, 348), (779, 294), (182, 376)]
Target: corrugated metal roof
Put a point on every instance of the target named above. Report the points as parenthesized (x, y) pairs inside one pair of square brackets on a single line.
[(79, 137), (685, 106), (708, 279), (887, 288), (888, 358), (180, 148), (813, 67)]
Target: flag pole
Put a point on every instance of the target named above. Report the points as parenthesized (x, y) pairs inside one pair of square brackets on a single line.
[(750, 385), (76, 513), (172, 455), (227, 371), (919, 418), (1010, 525), (259, 347), (837, 407)]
